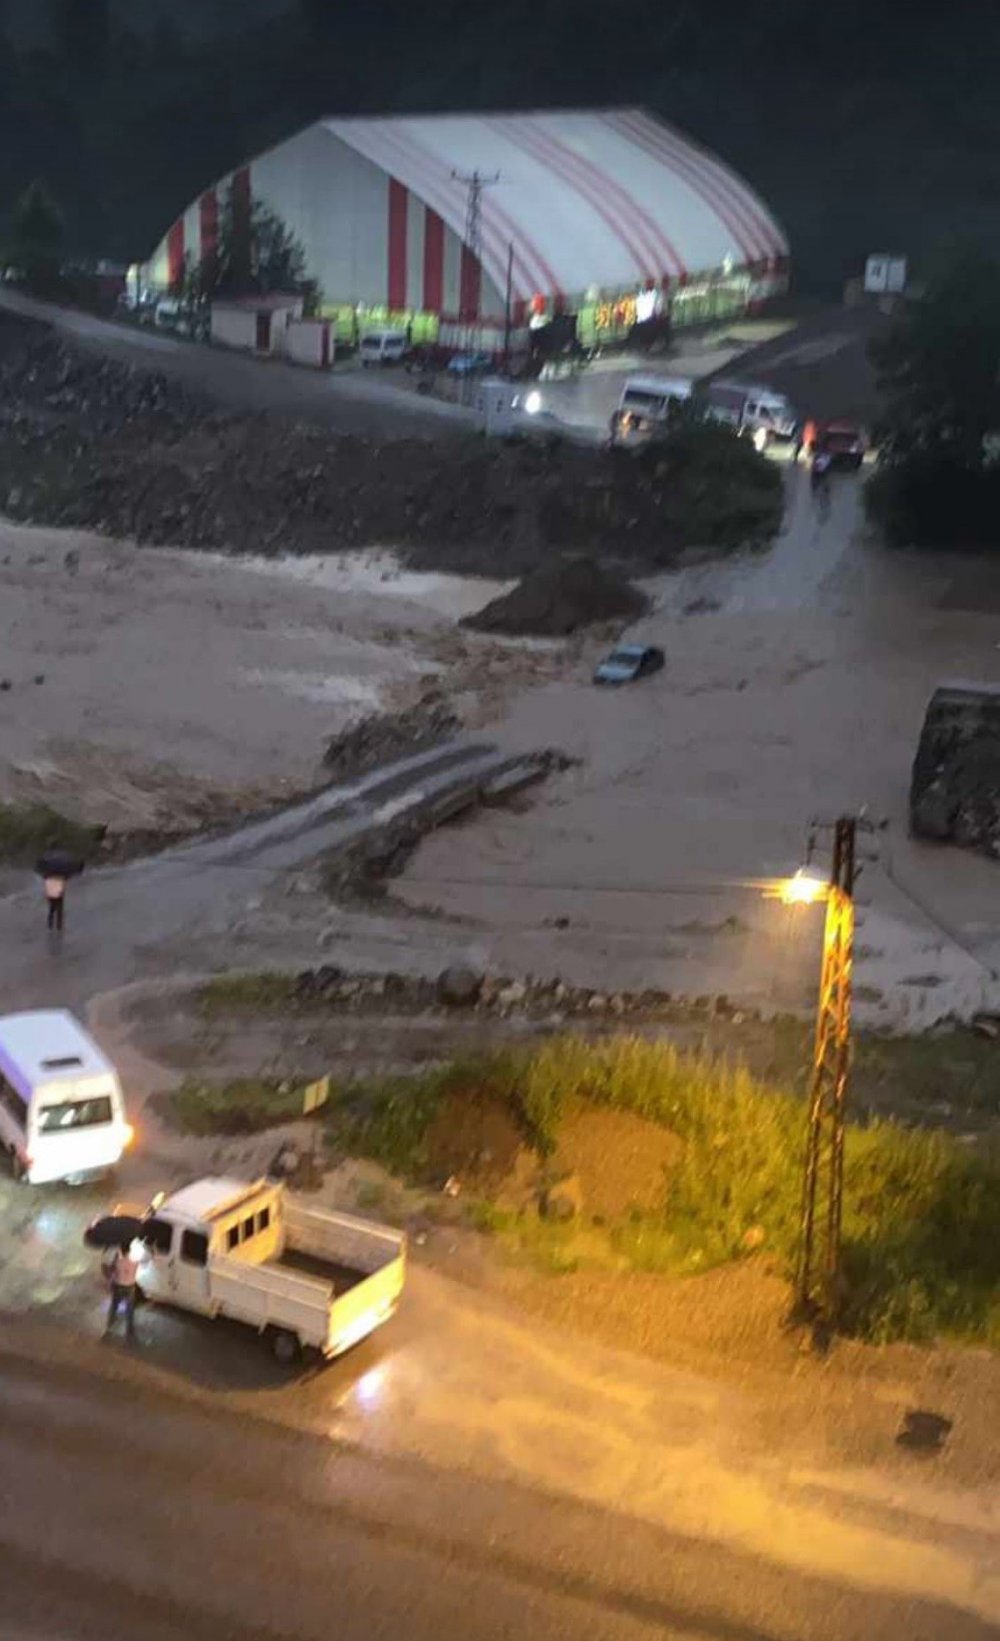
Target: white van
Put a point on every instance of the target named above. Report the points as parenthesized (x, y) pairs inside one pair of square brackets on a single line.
[(62, 1115), (382, 347), (646, 401), (757, 413)]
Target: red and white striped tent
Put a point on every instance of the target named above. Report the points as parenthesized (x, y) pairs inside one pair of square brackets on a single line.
[(607, 201)]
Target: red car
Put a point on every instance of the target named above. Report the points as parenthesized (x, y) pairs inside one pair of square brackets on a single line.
[(843, 442)]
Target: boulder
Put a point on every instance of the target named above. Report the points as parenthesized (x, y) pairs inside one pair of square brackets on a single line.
[(563, 1200), (459, 986)]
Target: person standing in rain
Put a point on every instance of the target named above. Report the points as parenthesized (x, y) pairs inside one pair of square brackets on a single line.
[(55, 897), (124, 1273)]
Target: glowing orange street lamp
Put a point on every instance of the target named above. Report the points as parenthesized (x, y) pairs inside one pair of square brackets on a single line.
[(817, 1284)]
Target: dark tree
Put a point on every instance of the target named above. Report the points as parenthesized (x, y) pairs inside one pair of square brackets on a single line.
[(938, 479), (257, 254), (36, 237), (939, 366)]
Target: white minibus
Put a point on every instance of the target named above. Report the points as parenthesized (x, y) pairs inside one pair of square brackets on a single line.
[(382, 347), (62, 1115)]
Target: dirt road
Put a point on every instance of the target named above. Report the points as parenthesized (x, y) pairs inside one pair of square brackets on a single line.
[(346, 401)]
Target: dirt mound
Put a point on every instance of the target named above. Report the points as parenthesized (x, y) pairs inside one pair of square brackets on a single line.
[(558, 598), (475, 1141), (621, 1161), (95, 444)]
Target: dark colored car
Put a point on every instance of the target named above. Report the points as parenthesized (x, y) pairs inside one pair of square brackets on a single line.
[(629, 662), (843, 442)]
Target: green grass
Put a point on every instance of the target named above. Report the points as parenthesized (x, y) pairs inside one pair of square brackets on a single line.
[(255, 993), (389, 1119), (28, 829), (921, 1211), (246, 1105)]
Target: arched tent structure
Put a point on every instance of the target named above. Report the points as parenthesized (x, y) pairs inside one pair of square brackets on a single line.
[(585, 210)]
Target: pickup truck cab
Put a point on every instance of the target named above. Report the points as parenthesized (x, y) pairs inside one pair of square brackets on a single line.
[(304, 1278)]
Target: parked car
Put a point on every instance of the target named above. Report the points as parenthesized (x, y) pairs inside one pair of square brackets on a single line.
[(628, 662), (470, 364), (843, 442), (382, 347)]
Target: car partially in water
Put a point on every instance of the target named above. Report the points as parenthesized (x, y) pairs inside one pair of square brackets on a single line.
[(628, 662)]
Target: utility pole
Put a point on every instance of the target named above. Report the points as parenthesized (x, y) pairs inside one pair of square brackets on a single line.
[(475, 182), (507, 305), (817, 1277)]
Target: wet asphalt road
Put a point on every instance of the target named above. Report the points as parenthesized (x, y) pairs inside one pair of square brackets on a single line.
[(127, 1513)]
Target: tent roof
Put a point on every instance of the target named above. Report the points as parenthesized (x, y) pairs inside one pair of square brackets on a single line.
[(606, 197)]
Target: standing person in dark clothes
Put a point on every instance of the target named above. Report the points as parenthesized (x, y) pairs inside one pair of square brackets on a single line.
[(124, 1273), (55, 897)]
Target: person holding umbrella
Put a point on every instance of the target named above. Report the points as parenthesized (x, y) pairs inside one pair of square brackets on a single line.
[(118, 1234), (123, 1271), (55, 868)]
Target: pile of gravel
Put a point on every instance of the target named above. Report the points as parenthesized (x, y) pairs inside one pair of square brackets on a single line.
[(558, 598)]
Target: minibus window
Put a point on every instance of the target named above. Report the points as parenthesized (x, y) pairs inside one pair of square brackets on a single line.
[(59, 1119)]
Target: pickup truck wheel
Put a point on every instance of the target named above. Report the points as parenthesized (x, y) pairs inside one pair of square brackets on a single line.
[(285, 1348)]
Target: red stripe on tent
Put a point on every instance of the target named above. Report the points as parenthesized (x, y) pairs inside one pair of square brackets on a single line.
[(436, 186), (175, 253), (536, 148), (729, 207), (470, 285), (208, 223), (500, 231), (433, 262), (675, 155), (634, 217), (397, 244), (739, 197)]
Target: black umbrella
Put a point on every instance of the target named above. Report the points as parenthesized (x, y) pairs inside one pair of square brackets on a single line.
[(115, 1229), (58, 863)]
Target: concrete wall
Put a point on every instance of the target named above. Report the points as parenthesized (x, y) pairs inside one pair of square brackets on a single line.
[(234, 327), (309, 342)]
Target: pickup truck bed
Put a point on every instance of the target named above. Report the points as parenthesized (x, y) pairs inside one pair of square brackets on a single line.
[(341, 1277)]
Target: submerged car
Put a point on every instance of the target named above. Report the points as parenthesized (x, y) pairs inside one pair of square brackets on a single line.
[(628, 662)]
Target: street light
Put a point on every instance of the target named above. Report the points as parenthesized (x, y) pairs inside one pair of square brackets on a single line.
[(802, 889), (817, 1288)]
